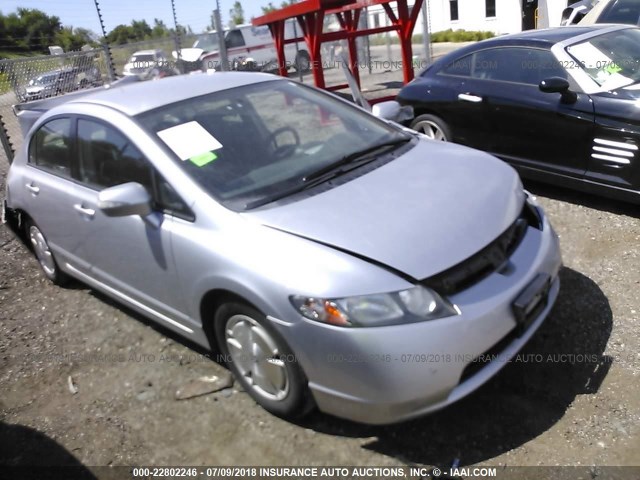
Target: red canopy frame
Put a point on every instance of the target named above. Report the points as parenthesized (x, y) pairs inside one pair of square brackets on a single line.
[(310, 15)]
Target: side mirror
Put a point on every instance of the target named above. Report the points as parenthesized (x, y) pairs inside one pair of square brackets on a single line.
[(558, 85), (393, 111), (123, 200)]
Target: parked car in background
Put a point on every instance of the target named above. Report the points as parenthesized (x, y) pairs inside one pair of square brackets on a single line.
[(576, 12), (614, 11), (143, 61), (561, 105), (333, 257), (248, 48), (59, 81)]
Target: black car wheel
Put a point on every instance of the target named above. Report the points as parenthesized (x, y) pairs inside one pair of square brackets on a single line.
[(433, 127), (260, 360)]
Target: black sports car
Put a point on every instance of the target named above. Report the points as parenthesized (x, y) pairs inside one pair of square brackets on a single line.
[(561, 105)]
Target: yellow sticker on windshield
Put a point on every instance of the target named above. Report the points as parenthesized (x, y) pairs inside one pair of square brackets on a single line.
[(203, 159)]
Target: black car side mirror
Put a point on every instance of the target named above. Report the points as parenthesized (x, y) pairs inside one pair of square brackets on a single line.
[(558, 85)]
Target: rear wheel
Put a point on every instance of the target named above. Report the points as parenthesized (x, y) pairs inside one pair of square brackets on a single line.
[(260, 360), (433, 127), (43, 253)]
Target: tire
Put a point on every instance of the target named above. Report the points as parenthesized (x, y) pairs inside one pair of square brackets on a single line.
[(44, 255), (303, 61), (261, 361), (433, 127)]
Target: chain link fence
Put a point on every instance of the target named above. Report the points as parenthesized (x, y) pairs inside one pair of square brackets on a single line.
[(150, 52), (34, 78)]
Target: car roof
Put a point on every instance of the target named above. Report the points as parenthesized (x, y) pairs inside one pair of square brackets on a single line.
[(135, 98), (548, 35), (605, 7), (544, 38)]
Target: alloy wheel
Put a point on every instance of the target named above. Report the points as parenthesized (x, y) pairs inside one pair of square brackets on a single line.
[(257, 357)]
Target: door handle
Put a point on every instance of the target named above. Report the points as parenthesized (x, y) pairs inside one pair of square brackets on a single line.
[(467, 97), (32, 188), (89, 212)]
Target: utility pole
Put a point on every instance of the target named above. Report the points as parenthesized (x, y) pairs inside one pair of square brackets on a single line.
[(426, 31), (224, 60)]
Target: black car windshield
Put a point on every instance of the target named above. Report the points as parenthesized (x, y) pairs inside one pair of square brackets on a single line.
[(612, 59), (255, 142)]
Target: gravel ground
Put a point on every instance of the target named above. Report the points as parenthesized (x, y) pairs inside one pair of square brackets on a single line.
[(572, 399)]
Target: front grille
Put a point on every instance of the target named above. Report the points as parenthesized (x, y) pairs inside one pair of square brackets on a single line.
[(472, 270)]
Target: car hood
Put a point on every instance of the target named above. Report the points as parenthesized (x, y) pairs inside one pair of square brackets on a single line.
[(420, 214), (631, 92), (189, 54)]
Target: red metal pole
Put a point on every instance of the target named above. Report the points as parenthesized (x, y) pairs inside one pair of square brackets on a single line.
[(311, 24), (277, 32), (351, 22), (405, 31)]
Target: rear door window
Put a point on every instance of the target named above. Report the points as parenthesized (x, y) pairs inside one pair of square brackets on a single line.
[(51, 147)]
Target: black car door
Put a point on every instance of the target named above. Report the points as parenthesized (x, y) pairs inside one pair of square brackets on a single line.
[(445, 94), (615, 151), (531, 128)]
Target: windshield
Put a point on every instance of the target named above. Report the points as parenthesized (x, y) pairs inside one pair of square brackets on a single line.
[(145, 58), (44, 79), (207, 42), (612, 60), (255, 142)]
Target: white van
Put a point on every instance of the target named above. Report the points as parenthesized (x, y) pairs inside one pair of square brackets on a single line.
[(248, 48)]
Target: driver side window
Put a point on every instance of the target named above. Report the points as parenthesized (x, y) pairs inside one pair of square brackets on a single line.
[(106, 158)]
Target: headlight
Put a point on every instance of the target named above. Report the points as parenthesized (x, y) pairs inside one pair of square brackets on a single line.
[(416, 304), (532, 210)]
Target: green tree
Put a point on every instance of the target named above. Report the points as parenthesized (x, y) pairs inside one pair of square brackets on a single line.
[(159, 29), (138, 30), (141, 29), (269, 8), (73, 39), (237, 14), (29, 29)]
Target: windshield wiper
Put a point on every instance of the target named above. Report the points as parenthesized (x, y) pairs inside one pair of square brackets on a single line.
[(349, 162), (333, 169)]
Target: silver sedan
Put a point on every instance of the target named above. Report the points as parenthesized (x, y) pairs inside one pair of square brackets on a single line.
[(333, 258)]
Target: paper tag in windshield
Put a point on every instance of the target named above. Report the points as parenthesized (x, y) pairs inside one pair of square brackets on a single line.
[(189, 140)]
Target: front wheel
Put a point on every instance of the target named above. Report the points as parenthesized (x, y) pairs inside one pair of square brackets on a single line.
[(261, 360), (433, 127)]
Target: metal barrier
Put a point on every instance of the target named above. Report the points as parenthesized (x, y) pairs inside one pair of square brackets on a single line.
[(33, 78), (163, 48)]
